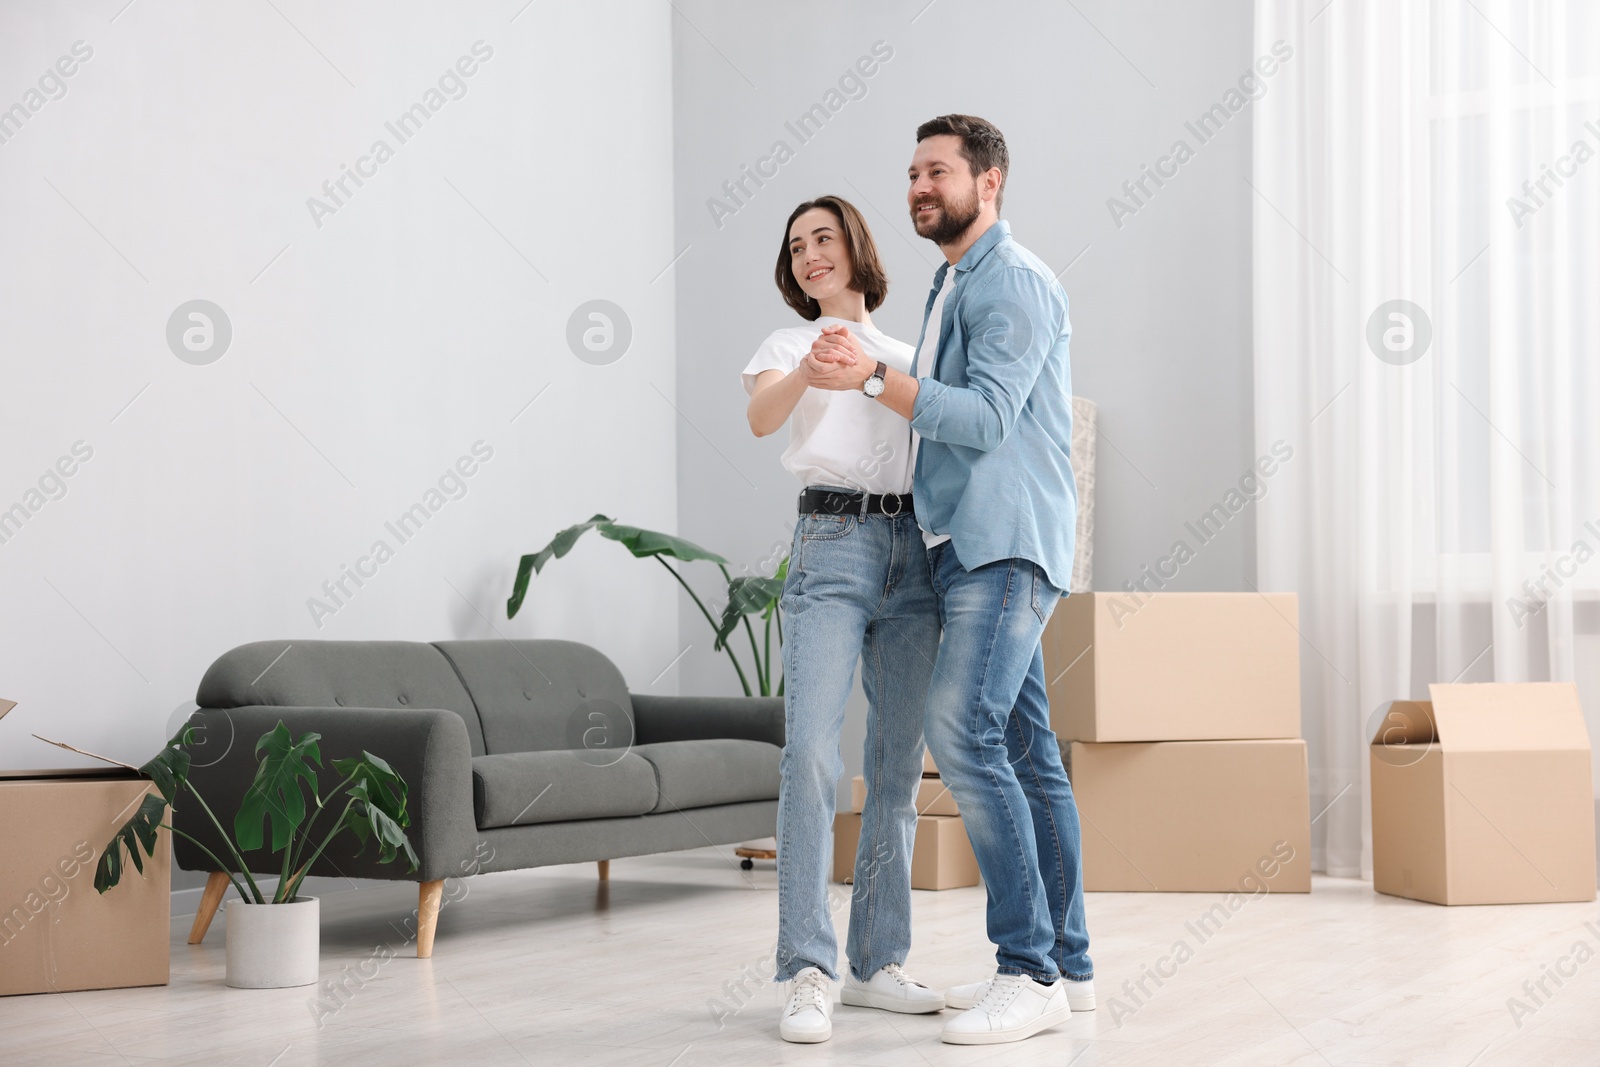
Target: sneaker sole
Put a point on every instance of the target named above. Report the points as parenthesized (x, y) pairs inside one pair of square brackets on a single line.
[(806, 1037), (858, 999), (1001, 1037), (963, 1003)]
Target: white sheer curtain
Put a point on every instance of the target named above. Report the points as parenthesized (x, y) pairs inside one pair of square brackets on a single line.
[(1406, 152)]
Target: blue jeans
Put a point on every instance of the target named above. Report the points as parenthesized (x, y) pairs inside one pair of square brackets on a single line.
[(858, 589), (988, 726)]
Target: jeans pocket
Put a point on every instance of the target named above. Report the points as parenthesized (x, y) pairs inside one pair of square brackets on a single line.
[(1045, 595), (817, 527)]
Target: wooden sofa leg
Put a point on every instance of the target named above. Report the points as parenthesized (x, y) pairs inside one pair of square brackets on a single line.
[(216, 888), (605, 870), (429, 896)]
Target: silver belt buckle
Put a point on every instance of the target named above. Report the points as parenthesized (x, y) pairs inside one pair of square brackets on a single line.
[(899, 505)]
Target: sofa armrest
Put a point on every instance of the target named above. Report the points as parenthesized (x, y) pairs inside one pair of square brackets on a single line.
[(663, 718), (426, 747)]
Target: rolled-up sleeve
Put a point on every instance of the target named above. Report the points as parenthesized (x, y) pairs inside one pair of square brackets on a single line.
[(1010, 325)]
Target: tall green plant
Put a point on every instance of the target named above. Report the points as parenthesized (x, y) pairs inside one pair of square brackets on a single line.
[(374, 809), (746, 595)]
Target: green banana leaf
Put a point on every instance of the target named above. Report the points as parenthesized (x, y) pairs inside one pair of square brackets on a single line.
[(747, 596), (640, 542)]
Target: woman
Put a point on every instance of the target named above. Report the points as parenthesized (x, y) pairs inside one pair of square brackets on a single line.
[(858, 589)]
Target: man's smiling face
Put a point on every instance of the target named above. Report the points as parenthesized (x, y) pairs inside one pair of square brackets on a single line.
[(943, 192)]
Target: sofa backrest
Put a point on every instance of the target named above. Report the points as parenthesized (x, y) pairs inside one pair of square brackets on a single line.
[(351, 674), (534, 696)]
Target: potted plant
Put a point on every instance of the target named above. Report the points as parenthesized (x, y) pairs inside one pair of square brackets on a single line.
[(747, 595), (272, 941)]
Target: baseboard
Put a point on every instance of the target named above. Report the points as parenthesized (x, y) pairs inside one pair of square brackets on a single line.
[(187, 901)]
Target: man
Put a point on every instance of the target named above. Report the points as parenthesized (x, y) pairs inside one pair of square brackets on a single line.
[(989, 399)]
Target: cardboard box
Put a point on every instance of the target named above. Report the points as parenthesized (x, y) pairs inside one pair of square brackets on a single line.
[(941, 855), (56, 932), (1483, 795), (928, 769), (1173, 666), (1193, 816), (933, 797)]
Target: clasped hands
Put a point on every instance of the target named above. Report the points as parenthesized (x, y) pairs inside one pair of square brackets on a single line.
[(836, 361)]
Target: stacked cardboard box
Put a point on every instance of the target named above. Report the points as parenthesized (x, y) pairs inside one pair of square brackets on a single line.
[(1179, 720), (941, 857), (1482, 795)]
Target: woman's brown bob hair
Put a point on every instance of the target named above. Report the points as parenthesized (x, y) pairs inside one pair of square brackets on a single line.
[(866, 277)]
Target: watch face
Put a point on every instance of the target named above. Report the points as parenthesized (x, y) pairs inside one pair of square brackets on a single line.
[(873, 386)]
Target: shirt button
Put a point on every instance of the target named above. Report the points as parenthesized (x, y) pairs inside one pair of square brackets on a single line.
[(405, 700), (339, 701)]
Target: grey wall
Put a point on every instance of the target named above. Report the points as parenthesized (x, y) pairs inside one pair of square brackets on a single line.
[(1086, 94), (368, 352)]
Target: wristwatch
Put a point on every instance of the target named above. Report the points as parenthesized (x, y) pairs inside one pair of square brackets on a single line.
[(873, 386)]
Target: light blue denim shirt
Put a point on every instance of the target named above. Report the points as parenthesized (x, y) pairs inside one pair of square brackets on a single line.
[(994, 468)]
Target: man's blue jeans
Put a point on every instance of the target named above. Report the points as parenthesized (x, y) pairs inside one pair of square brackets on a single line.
[(988, 727), (858, 589)]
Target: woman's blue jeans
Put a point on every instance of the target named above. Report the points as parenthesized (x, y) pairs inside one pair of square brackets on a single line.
[(988, 727), (858, 589)]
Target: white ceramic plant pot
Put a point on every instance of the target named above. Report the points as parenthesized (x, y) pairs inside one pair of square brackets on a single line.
[(273, 945)]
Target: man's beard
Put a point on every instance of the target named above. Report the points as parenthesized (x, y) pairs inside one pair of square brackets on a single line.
[(953, 219)]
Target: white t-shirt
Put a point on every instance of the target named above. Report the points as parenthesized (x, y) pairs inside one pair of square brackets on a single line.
[(927, 356), (837, 437)]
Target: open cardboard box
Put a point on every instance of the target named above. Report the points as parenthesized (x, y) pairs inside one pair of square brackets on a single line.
[(1193, 816), (941, 856), (1173, 666), (1483, 795), (56, 932)]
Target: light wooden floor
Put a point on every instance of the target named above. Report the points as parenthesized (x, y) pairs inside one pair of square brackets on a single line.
[(551, 967)]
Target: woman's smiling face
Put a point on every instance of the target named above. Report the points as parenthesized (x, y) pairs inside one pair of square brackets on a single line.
[(818, 254)]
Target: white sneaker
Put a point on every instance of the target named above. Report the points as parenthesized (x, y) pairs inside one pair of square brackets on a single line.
[(891, 990), (1080, 995), (808, 1017), (1014, 1008)]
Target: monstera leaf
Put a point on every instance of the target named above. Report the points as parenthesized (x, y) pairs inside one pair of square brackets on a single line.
[(370, 820), (137, 831), (169, 770), (275, 794)]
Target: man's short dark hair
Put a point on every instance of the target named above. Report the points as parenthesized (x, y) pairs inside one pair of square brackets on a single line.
[(982, 145)]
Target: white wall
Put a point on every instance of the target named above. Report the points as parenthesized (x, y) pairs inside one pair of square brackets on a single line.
[(370, 355), (1086, 94)]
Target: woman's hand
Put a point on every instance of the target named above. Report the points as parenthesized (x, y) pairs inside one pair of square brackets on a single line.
[(837, 344), (836, 361)]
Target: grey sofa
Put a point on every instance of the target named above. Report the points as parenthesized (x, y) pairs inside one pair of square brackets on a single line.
[(516, 754)]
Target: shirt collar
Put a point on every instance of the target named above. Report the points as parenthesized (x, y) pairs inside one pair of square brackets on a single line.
[(980, 248)]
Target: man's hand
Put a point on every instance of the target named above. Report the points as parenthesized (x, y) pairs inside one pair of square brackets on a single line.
[(837, 362)]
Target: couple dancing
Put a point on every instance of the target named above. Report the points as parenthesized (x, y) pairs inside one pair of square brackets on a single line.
[(979, 425)]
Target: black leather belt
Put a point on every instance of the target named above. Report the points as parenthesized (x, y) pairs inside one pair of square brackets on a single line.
[(837, 502)]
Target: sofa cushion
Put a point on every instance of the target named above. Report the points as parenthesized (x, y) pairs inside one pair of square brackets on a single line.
[(332, 674), (535, 696), (522, 788), (700, 774)]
